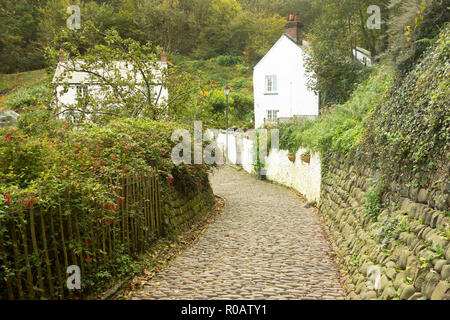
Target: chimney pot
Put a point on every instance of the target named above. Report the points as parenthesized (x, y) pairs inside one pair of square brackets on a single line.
[(61, 55), (164, 56)]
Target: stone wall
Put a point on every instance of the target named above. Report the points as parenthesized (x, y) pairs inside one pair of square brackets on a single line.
[(180, 210), (408, 241)]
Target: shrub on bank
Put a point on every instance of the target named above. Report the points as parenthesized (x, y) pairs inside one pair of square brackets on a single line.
[(83, 196)]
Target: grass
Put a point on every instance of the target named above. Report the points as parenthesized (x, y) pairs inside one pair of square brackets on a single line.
[(12, 83)]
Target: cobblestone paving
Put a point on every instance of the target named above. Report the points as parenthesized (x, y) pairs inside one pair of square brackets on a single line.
[(264, 246)]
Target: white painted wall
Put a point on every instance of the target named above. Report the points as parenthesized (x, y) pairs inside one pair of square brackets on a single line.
[(303, 177), (286, 61), (69, 98), (365, 59), (240, 150), (76, 78)]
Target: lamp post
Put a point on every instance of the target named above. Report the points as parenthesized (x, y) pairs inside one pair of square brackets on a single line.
[(227, 91)]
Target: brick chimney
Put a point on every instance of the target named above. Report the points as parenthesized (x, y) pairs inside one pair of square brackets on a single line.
[(294, 28), (164, 56), (61, 55)]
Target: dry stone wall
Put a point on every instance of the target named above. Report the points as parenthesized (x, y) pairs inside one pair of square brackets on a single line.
[(408, 240), (179, 210)]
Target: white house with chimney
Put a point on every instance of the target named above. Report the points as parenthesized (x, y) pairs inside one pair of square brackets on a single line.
[(280, 80), (72, 83)]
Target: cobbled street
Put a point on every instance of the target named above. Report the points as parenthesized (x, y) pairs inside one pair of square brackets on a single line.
[(263, 246)]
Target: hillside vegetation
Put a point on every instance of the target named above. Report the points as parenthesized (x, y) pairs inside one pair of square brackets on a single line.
[(17, 87), (396, 123)]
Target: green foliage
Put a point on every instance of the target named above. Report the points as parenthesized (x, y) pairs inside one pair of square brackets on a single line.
[(373, 203), (229, 60), (26, 97), (258, 142), (340, 130), (410, 130), (66, 170), (130, 74), (209, 103), (413, 28)]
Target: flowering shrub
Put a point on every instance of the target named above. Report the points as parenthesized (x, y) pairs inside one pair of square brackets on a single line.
[(84, 194)]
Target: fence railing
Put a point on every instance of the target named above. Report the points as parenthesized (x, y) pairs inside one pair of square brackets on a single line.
[(38, 242)]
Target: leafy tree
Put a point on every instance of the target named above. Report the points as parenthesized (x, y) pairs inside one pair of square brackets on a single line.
[(129, 77)]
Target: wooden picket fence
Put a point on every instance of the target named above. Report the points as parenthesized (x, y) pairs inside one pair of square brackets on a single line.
[(39, 242)]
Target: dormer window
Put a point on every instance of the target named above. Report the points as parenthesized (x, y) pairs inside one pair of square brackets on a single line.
[(271, 84)]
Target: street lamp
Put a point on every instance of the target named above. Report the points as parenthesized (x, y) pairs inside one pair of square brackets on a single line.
[(227, 91)]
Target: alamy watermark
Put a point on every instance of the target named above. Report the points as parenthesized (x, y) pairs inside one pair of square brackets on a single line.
[(221, 147), (74, 280), (74, 21), (374, 21), (374, 277)]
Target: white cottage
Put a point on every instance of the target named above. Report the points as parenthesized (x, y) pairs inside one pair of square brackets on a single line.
[(280, 81), (363, 56), (80, 84)]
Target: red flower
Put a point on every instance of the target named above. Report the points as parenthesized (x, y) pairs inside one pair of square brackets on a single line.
[(7, 198), (111, 221), (8, 138), (91, 239), (170, 181), (120, 202), (89, 259), (106, 207), (86, 242), (123, 170), (113, 208)]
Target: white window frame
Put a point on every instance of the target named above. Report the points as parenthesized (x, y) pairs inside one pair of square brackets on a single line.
[(271, 85), (272, 115)]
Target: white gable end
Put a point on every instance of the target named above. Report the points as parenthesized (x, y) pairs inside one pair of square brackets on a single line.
[(280, 85)]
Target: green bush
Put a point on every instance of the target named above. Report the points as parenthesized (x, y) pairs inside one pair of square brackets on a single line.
[(26, 97), (342, 128), (72, 177), (229, 60)]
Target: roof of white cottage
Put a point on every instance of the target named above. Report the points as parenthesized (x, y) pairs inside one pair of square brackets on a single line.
[(66, 72), (303, 47)]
